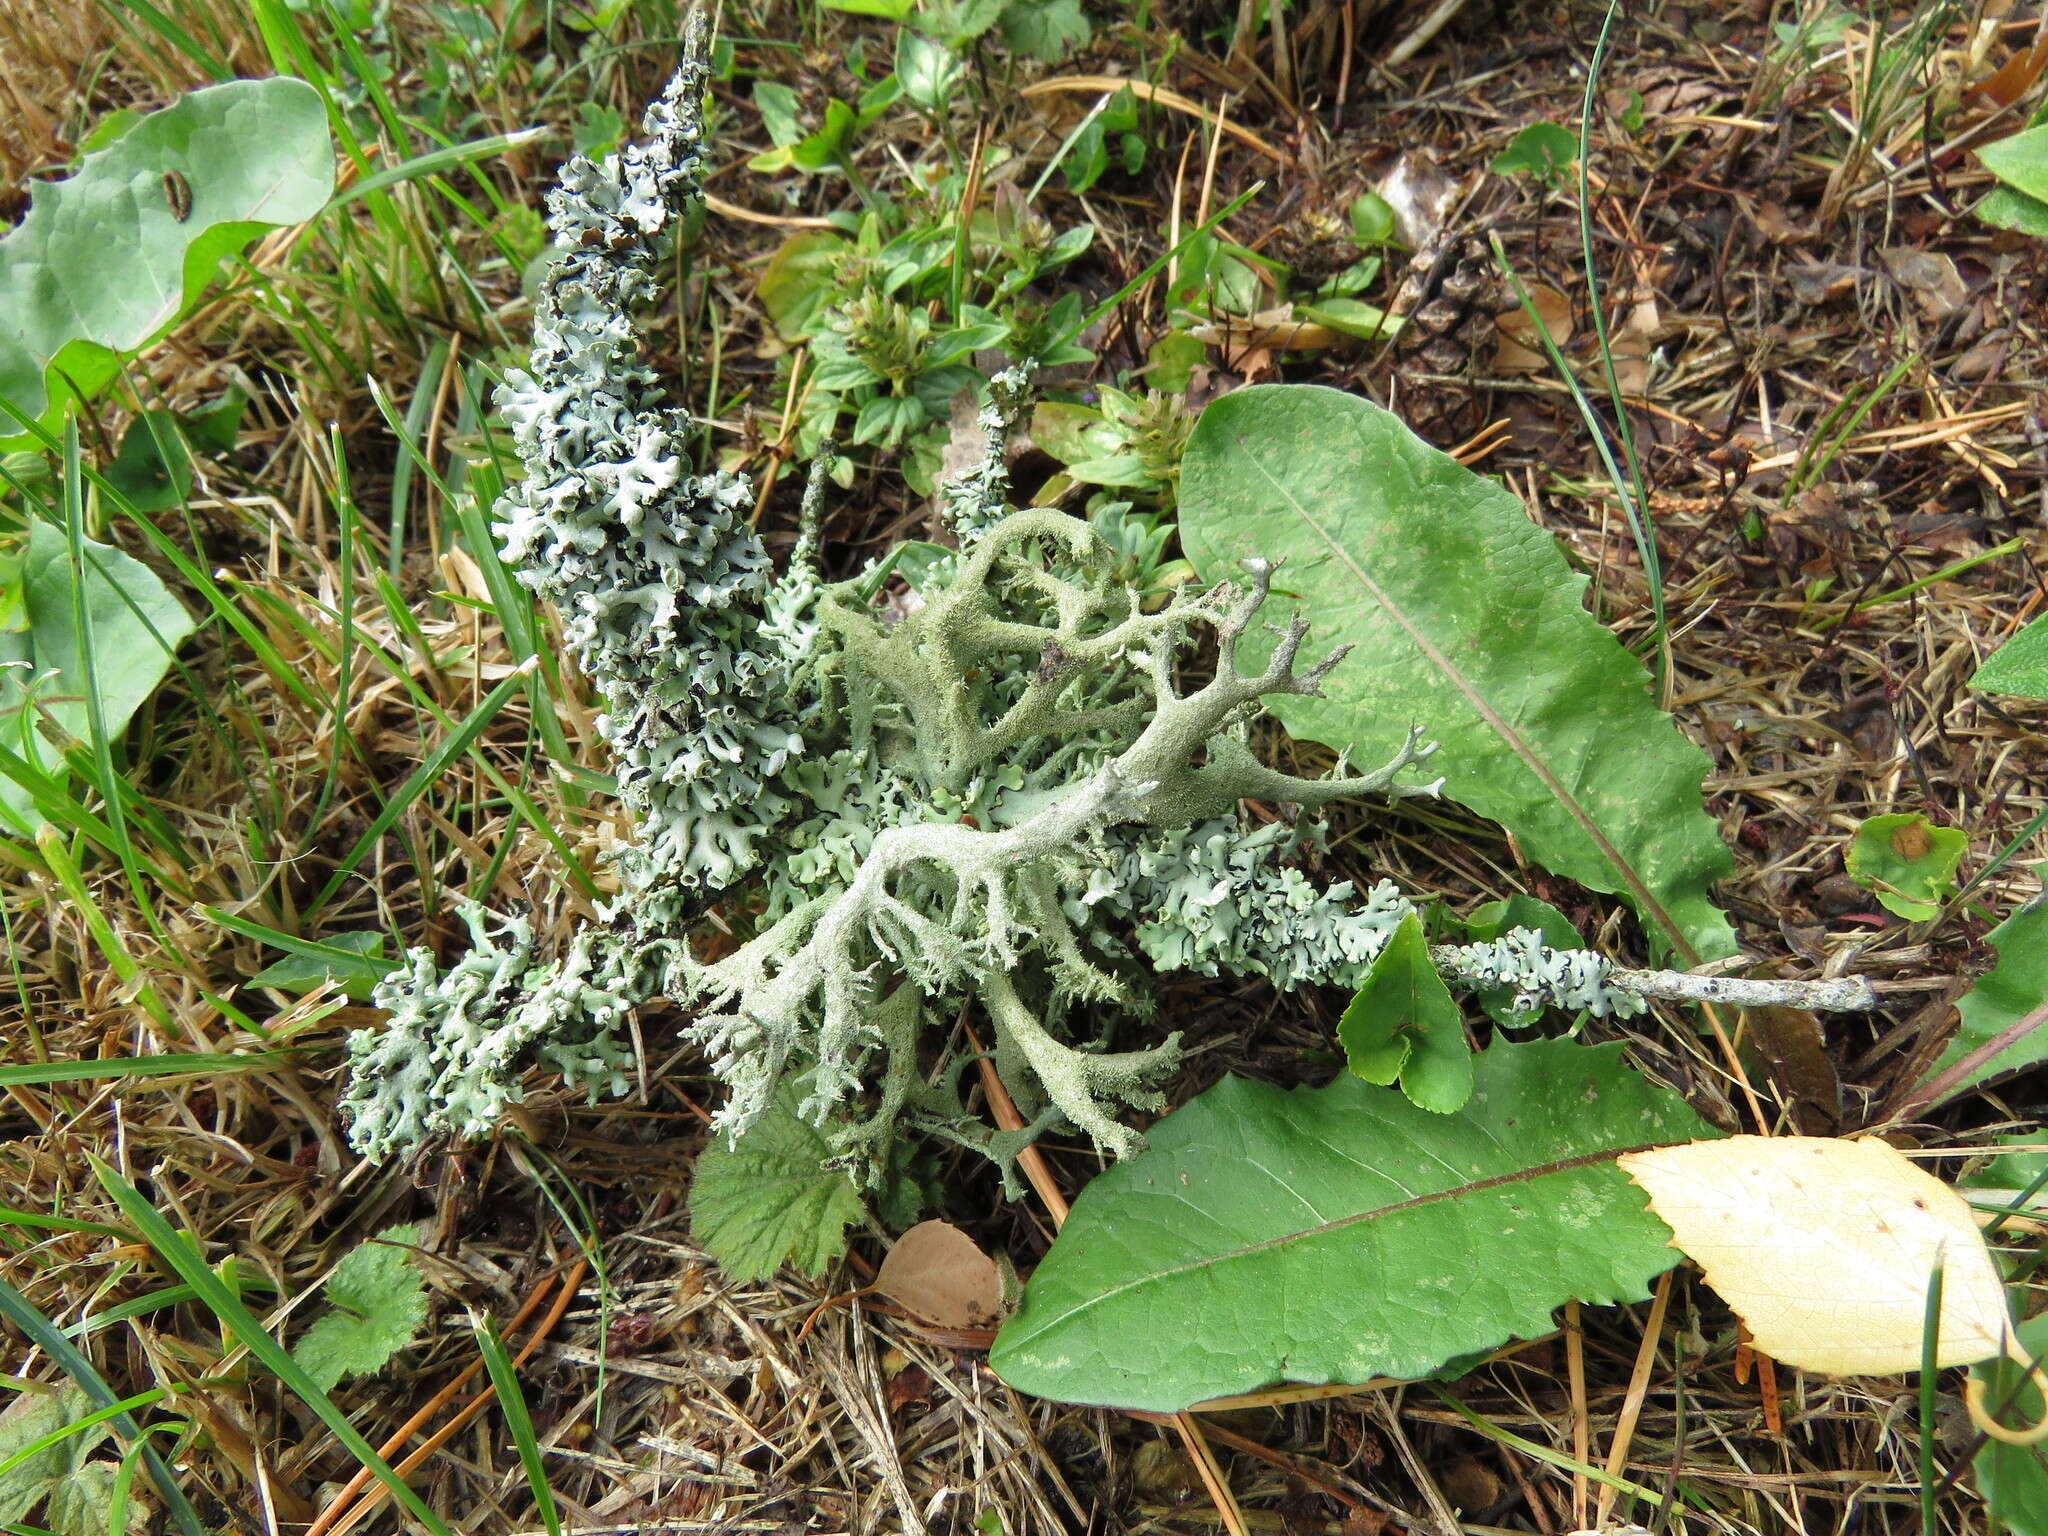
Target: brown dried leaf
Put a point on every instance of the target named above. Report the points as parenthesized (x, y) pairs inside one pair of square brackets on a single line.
[(1518, 350), (1270, 330), (1821, 282), (937, 1272), (1791, 1040), (1421, 193), (1931, 277), (1631, 344)]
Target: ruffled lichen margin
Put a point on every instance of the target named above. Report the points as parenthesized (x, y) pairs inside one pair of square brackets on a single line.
[(1008, 796)]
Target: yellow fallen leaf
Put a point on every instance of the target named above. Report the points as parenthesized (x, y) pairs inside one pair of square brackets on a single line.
[(1826, 1248)]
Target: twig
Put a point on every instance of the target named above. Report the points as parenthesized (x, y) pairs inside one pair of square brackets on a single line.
[(1582, 1418), (1848, 994), (1632, 1404), (1144, 90), (1942, 1085)]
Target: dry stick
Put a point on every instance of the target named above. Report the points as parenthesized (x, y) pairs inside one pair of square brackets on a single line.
[(1032, 1162), (1144, 90), (1632, 1405), (1350, 22), (1209, 165), (1940, 1087), (1422, 32), (1283, 58), (1295, 1466), (1582, 1418), (726, 210), (1173, 213), (337, 1519), (792, 409), (1736, 1069)]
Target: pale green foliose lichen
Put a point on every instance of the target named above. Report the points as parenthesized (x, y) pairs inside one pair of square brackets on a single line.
[(1004, 795)]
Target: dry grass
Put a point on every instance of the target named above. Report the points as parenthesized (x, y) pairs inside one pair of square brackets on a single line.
[(1771, 282)]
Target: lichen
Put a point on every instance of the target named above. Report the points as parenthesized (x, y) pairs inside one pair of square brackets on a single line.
[(1001, 790)]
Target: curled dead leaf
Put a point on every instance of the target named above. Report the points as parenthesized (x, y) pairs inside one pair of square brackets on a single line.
[(1271, 330), (1631, 343)]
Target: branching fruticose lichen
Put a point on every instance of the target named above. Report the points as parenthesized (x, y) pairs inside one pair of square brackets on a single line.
[(1007, 796)]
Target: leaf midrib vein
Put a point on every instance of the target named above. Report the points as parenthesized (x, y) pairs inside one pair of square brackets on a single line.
[(1494, 719), (1457, 1191)]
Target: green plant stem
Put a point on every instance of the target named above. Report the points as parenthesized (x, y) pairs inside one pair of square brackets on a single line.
[(1930, 1349), (1635, 507), (1646, 550)]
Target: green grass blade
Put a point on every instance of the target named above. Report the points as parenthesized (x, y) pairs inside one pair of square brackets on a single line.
[(105, 777), (64, 866), (425, 392), (1635, 500), (1930, 1348), (11, 1216), (236, 1320), (518, 1422), (422, 779), (447, 158), (22, 1074), (178, 37), (42, 1333)]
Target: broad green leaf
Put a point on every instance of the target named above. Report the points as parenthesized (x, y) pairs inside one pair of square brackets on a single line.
[(131, 649), (34, 1415), (1372, 220), (2004, 1178), (2014, 1478), (1073, 433), (2004, 995), (103, 264), (771, 1200), (1170, 362), (2010, 209), (777, 105), (1907, 862), (928, 70), (1492, 919), (797, 281), (1337, 1234), (1353, 317), (1467, 621), (357, 975), (153, 468), (1045, 29), (1541, 149), (2020, 665), (83, 1504), (1403, 1023), (2021, 162), (377, 1305)]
